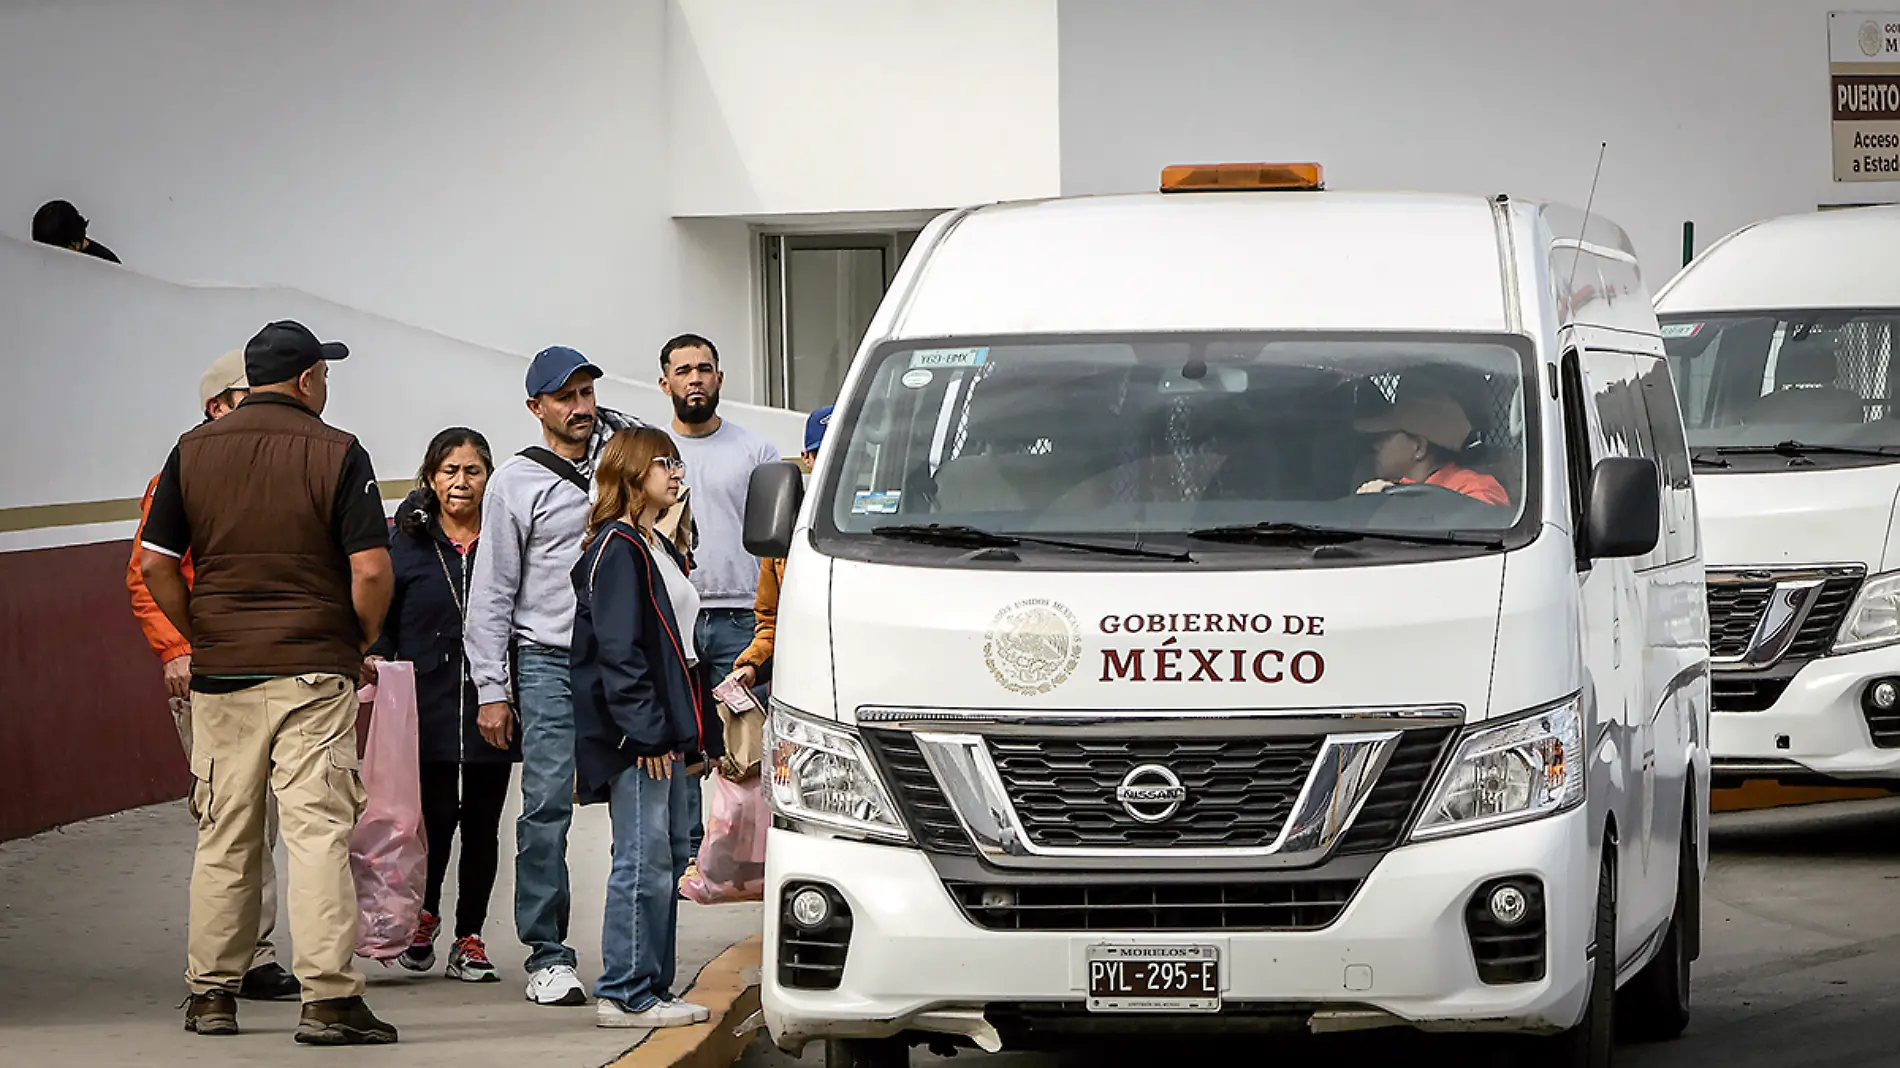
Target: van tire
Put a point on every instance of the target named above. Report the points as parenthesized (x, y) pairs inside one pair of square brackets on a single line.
[(1654, 1006), (867, 1053), (1592, 1042)]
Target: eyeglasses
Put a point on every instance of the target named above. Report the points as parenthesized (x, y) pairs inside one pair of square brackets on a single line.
[(673, 465)]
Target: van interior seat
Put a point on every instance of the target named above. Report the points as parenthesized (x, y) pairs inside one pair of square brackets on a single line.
[(1807, 380), (1010, 482)]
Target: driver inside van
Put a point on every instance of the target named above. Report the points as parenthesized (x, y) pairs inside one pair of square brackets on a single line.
[(1417, 440)]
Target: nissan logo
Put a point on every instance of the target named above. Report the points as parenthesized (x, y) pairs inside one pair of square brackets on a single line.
[(1151, 793)]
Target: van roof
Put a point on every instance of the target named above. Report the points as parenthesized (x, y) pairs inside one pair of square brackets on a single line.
[(1218, 261), (1823, 259)]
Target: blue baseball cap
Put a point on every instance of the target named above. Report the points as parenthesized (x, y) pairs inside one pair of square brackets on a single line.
[(815, 425), (553, 366)]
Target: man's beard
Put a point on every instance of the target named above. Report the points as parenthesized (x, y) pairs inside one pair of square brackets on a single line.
[(695, 414)]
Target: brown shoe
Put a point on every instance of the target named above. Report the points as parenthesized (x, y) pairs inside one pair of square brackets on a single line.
[(342, 1022), (211, 1014)]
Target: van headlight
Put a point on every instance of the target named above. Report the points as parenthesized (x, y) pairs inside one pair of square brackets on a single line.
[(1875, 618), (1510, 772), (819, 773)]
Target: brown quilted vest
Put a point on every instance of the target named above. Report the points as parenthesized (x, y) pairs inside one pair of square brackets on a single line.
[(271, 595)]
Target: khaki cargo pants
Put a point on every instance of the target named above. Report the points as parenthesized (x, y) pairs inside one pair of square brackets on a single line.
[(266, 952), (293, 737)]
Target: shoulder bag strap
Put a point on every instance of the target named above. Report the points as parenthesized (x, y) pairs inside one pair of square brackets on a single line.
[(554, 463)]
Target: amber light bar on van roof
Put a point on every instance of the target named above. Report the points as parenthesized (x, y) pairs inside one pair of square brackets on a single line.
[(1239, 177)]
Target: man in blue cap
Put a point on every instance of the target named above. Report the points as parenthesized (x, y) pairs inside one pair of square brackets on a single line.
[(520, 620)]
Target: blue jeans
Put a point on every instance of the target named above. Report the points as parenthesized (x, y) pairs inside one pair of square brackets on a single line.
[(639, 937), (547, 804), (719, 637)]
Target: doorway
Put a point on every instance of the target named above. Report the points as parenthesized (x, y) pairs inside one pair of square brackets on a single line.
[(821, 291)]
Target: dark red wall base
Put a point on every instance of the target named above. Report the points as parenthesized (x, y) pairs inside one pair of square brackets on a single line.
[(83, 717)]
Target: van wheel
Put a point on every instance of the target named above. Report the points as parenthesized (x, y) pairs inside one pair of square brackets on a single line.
[(1592, 1043), (1654, 1006), (867, 1053)]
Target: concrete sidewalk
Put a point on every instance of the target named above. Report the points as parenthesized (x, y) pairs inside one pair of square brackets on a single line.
[(92, 957)]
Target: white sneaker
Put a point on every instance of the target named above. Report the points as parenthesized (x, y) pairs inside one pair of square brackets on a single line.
[(701, 1013), (557, 984), (611, 1013)]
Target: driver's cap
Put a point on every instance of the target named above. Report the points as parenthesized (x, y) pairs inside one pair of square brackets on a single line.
[(1432, 416)]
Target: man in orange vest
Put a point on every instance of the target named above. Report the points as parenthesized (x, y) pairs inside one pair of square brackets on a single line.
[(220, 390)]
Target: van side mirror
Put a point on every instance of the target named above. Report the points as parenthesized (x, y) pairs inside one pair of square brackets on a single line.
[(1624, 516), (772, 497)]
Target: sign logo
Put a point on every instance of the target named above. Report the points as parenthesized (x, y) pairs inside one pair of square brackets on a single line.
[(1151, 793), (1033, 646), (1871, 39)]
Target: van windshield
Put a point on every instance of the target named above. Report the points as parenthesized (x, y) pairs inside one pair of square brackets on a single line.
[(1168, 439), (1815, 387)]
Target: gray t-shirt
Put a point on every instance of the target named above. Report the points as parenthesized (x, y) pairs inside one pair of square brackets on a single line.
[(718, 468), (522, 587)]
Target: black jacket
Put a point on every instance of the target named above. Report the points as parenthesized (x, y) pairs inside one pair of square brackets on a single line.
[(424, 627), (634, 695)]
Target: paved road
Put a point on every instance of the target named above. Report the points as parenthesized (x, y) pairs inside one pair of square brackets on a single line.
[(1799, 964)]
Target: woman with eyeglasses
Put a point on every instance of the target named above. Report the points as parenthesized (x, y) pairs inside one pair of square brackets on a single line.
[(643, 717)]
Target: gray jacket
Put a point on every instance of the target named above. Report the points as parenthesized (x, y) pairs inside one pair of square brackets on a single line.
[(532, 524)]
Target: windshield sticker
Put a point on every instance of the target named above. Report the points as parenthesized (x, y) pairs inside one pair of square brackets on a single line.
[(876, 502), (1167, 651), (1672, 330), (941, 358), (917, 379)]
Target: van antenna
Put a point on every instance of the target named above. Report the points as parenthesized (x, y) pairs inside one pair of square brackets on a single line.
[(1570, 285)]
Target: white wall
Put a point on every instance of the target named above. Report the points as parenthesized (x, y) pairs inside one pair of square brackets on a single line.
[(489, 169), (103, 366), (860, 105), (1714, 111)]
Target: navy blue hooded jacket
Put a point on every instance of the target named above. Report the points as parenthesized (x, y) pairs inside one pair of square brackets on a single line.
[(634, 695), (424, 627)]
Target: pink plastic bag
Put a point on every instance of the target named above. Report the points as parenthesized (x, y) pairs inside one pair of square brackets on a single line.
[(388, 853), (732, 855)]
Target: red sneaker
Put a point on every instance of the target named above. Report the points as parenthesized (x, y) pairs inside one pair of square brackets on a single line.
[(420, 956), (468, 961)]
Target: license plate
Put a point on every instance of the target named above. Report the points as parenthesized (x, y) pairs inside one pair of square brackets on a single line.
[(1154, 978)]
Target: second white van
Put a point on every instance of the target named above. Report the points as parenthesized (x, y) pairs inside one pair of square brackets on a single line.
[(1781, 338)]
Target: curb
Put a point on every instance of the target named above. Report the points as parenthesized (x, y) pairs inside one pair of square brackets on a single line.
[(1761, 793), (729, 988)]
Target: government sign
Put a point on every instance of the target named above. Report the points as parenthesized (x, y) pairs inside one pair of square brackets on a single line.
[(1864, 88)]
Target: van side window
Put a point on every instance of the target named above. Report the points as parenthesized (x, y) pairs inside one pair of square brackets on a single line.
[(1576, 435), (1617, 383), (1672, 457), (1665, 424)]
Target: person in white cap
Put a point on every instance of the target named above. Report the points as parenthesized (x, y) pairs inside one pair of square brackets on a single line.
[(221, 388)]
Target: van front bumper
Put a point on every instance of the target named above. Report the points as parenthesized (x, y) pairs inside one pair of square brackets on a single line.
[(1399, 953), (1816, 730)]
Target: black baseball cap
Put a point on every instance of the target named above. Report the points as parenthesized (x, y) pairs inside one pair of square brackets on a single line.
[(285, 349)]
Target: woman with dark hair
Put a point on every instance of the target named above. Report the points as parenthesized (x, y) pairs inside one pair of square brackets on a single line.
[(642, 720), (465, 771)]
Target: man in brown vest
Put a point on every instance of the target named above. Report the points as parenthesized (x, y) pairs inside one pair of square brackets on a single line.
[(284, 523)]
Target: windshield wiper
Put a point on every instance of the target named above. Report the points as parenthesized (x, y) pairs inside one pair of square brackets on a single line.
[(978, 538), (1702, 460), (1302, 534), (1798, 448)]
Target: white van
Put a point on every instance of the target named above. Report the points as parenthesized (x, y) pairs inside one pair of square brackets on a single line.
[(1781, 338), (1235, 607)]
